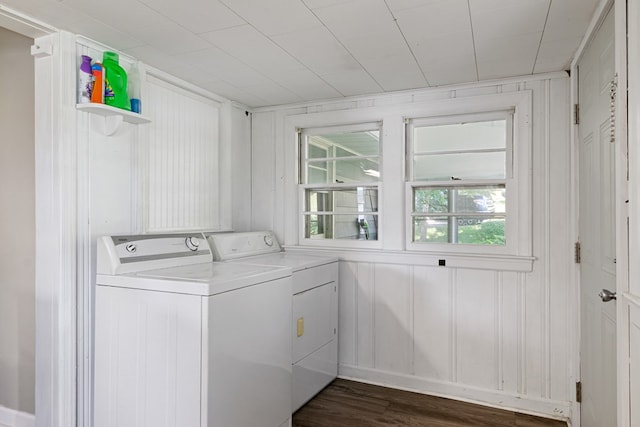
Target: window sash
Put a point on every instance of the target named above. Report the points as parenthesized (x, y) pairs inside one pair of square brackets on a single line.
[(413, 123), (331, 161)]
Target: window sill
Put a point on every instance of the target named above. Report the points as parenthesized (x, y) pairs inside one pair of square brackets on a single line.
[(431, 259)]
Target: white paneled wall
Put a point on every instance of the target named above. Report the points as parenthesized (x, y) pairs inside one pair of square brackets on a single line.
[(182, 189), (458, 332), (503, 336), (167, 175)]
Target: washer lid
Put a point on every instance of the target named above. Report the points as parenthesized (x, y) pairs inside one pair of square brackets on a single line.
[(205, 279)]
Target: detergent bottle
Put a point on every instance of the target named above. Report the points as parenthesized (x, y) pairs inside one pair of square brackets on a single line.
[(85, 80), (97, 94), (115, 82)]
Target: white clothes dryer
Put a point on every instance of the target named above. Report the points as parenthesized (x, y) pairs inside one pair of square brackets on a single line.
[(314, 299), (181, 341)]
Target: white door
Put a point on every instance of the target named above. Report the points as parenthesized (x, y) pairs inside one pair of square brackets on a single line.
[(629, 298), (596, 70)]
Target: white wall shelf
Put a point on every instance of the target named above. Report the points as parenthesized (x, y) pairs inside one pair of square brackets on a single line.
[(107, 111), (113, 117)]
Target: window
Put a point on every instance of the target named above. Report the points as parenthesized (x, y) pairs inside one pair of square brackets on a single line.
[(339, 182), (460, 175)]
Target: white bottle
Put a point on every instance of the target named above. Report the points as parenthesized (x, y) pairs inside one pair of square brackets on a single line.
[(133, 88)]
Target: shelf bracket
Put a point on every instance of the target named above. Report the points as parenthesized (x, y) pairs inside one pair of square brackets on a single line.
[(108, 125)]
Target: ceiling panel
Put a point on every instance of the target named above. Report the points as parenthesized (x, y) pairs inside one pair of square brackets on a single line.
[(220, 65), (125, 15), (315, 4), (522, 47), (318, 50), (382, 53), (354, 82), (157, 59), (400, 5), (97, 30), (211, 14), (224, 89), (274, 17), (555, 55), (306, 85), (569, 19), (357, 18), (268, 52), (251, 47), (274, 93), (450, 70), (504, 18), (169, 37), (434, 19), (501, 68)]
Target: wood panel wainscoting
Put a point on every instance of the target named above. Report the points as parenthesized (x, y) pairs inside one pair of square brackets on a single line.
[(350, 403)]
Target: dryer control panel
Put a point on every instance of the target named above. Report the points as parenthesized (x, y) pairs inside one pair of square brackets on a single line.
[(227, 246)]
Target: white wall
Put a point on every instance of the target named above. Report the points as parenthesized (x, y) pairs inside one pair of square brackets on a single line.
[(486, 334), (93, 183), (17, 224)]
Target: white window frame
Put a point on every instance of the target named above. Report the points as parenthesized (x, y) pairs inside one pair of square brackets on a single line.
[(507, 181), (517, 180), (391, 196), (303, 187)]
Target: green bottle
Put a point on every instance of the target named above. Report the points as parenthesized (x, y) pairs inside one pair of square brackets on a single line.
[(115, 78)]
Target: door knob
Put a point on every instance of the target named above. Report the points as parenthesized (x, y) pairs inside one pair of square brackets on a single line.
[(606, 295)]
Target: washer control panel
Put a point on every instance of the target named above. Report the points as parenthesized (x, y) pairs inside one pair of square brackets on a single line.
[(120, 254)]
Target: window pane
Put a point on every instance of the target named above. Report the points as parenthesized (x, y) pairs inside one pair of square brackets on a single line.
[(459, 229), (430, 229), (431, 200), (341, 171), (477, 200), (461, 136), (316, 152), (318, 175), (357, 154), (443, 167), (356, 201), (349, 144), (341, 227), (475, 231)]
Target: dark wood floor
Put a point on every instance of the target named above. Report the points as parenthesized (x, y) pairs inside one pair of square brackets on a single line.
[(349, 403)]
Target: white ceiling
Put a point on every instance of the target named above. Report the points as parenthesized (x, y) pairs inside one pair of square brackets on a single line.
[(271, 52)]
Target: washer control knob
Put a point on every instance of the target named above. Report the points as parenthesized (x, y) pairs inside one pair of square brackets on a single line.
[(268, 240), (193, 243), (131, 248)]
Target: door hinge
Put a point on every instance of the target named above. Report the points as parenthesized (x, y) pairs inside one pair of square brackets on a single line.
[(579, 391), (577, 256), (576, 114)]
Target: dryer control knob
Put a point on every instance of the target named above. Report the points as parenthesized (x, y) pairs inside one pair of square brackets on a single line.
[(193, 243), (268, 240)]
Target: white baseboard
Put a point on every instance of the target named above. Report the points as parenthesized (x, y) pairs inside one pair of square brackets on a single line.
[(13, 418), (559, 410)]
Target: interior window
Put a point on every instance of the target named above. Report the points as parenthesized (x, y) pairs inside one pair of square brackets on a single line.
[(340, 172)]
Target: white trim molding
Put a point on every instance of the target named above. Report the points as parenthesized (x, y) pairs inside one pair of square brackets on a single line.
[(12, 418), (548, 408), (56, 245)]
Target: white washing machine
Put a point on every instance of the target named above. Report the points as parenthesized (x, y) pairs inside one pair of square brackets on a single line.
[(181, 341), (315, 305)]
